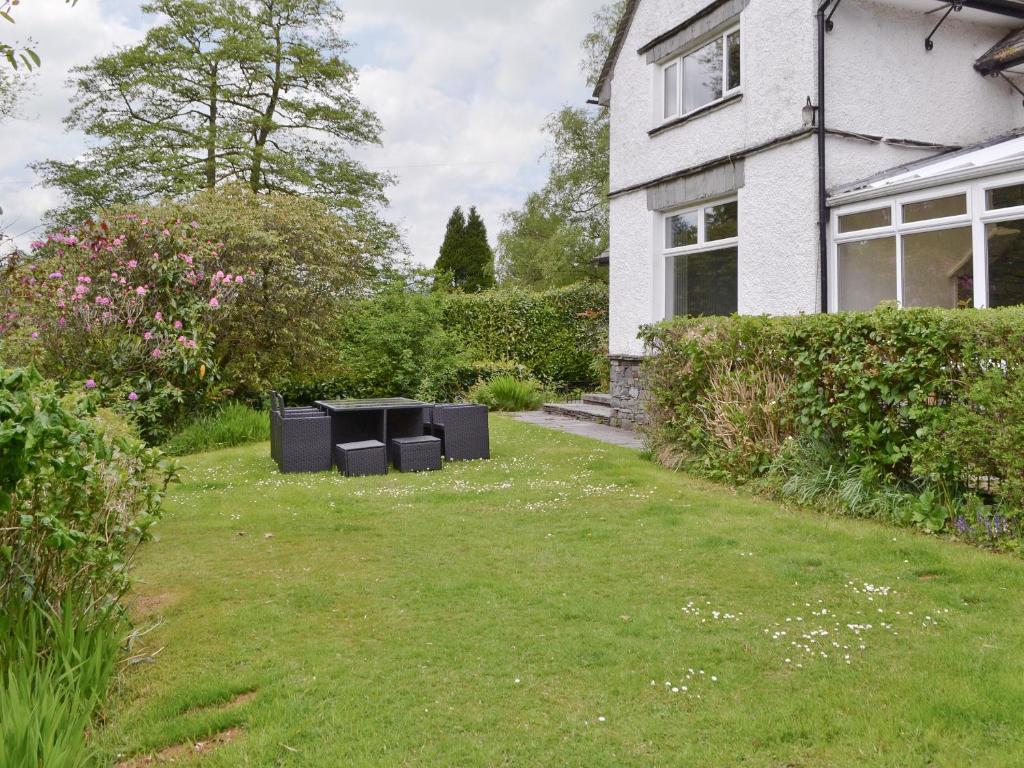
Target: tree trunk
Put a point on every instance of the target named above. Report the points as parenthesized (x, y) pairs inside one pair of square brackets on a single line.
[(211, 134), (260, 140)]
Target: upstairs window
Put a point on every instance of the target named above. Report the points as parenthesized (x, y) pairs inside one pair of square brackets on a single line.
[(701, 76)]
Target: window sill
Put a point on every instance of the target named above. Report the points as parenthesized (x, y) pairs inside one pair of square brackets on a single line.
[(706, 109)]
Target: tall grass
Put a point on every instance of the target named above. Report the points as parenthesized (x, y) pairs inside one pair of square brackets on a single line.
[(234, 424), (54, 674), (507, 393)]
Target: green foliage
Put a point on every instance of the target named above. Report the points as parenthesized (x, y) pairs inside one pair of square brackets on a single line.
[(554, 334), (466, 262), (887, 413), (306, 267), (233, 424), (224, 90), (129, 308), (390, 343), (74, 501), (54, 672), (507, 393)]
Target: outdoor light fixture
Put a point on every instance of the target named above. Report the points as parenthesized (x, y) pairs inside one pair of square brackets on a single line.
[(810, 113)]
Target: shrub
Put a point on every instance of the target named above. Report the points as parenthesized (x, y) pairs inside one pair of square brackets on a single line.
[(78, 493), (234, 424), (887, 413), (554, 334), (128, 307), (506, 393), (75, 501)]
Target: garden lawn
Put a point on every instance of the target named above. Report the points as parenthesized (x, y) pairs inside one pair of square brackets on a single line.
[(567, 603)]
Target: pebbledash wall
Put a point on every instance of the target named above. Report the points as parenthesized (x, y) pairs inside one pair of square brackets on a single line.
[(881, 82)]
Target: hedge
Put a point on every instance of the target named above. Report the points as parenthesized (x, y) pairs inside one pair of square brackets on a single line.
[(558, 335), (918, 414), (438, 346)]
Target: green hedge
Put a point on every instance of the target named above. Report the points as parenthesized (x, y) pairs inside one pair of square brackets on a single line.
[(558, 335), (917, 414)]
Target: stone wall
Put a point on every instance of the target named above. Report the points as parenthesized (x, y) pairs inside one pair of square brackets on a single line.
[(627, 391)]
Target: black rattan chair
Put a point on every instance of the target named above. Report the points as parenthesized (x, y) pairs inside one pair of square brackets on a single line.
[(463, 430)]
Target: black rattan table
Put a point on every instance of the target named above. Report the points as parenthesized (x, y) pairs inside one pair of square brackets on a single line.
[(383, 419)]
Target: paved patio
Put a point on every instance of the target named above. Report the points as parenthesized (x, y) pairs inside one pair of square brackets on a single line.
[(605, 434)]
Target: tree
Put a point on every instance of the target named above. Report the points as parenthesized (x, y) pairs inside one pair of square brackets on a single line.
[(466, 261), (222, 90), (479, 258), (554, 238)]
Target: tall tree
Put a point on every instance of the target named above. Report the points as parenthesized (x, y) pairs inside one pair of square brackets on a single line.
[(479, 257), (554, 238), (220, 90), (466, 262), (450, 259)]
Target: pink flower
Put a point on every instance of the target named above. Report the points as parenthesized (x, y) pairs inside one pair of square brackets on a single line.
[(81, 290), (181, 339), (35, 334), (147, 335), (90, 384), (133, 396), (159, 316), (214, 303), (177, 325), (141, 290), (239, 279), (157, 353), (132, 264), (56, 275), (166, 232), (84, 279)]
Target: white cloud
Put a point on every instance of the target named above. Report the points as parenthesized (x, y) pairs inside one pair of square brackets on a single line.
[(64, 36), (462, 89)]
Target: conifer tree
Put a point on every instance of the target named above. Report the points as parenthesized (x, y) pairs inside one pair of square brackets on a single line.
[(466, 261)]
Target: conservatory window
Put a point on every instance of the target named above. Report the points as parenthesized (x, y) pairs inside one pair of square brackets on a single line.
[(953, 247)]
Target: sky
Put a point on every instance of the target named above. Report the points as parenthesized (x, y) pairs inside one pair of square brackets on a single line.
[(462, 88)]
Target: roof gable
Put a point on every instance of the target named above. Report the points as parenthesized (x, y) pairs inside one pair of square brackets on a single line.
[(602, 88)]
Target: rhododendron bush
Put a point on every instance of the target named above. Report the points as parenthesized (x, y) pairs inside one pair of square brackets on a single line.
[(128, 308)]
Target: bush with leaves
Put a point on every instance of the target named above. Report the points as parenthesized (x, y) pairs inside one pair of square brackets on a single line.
[(555, 334), (896, 403), (307, 270), (75, 500), (129, 308)]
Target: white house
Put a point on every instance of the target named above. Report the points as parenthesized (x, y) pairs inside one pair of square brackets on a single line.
[(787, 156)]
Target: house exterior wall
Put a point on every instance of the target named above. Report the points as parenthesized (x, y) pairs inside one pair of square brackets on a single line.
[(881, 81)]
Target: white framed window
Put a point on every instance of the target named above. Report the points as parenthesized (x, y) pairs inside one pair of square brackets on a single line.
[(701, 76), (701, 251), (951, 246)]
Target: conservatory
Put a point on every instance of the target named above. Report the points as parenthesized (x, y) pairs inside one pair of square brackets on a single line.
[(943, 232)]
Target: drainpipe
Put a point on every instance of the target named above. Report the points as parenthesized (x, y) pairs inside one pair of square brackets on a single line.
[(823, 212)]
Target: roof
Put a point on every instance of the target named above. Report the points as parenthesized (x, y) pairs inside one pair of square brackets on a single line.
[(1008, 52), (600, 88), (999, 154)]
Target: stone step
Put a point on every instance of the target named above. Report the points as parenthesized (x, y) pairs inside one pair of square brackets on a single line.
[(598, 398), (598, 414)]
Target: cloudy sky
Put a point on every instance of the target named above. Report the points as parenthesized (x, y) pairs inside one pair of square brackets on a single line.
[(461, 86)]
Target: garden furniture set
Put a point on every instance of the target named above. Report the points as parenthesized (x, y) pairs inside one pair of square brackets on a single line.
[(365, 437)]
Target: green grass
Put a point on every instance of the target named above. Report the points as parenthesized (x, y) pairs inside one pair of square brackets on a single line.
[(234, 424), (493, 613)]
